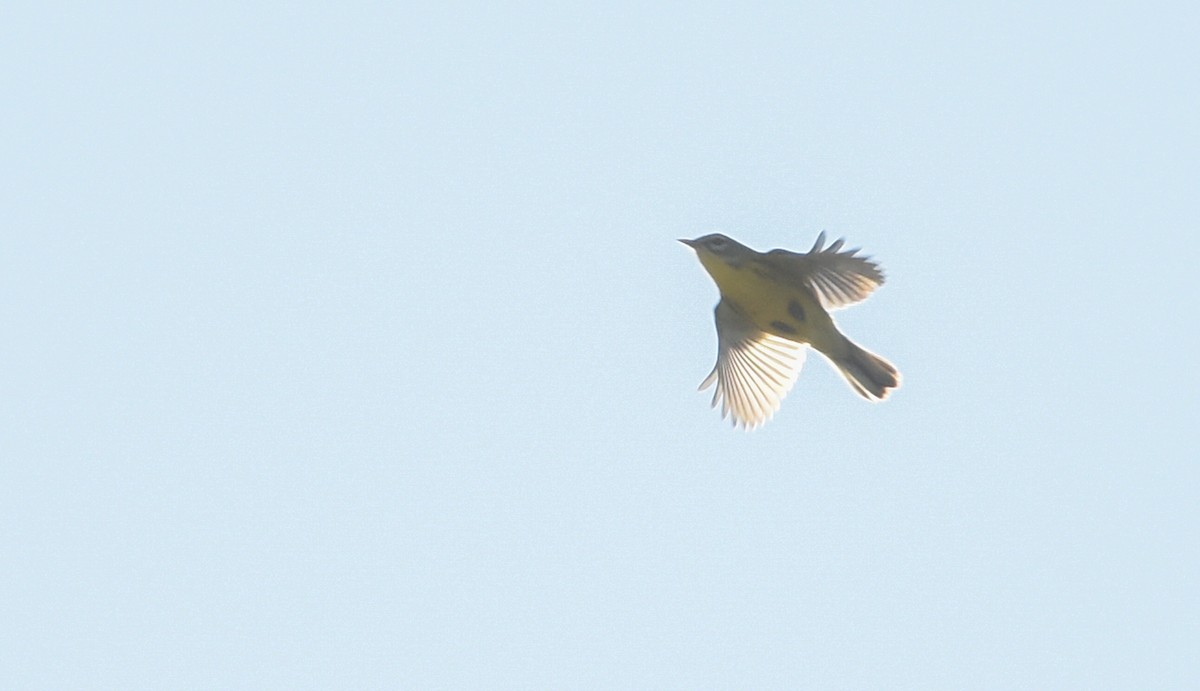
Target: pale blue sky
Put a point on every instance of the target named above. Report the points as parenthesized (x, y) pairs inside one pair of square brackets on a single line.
[(350, 345)]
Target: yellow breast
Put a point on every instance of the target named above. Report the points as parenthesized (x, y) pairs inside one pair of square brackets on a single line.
[(773, 305)]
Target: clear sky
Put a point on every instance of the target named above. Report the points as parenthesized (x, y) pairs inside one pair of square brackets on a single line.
[(349, 345)]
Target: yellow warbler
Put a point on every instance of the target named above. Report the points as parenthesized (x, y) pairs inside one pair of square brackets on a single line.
[(775, 303)]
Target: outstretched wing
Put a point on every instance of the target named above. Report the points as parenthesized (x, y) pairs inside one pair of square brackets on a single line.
[(839, 277), (754, 369)]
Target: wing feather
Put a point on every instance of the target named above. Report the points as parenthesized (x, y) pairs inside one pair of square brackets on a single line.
[(754, 369), (839, 277)]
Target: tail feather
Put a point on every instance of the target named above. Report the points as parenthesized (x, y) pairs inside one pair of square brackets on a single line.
[(870, 375)]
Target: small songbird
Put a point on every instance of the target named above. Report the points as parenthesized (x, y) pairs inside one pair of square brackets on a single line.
[(775, 303)]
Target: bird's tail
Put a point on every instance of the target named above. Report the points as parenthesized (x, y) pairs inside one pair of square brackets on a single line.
[(870, 375)]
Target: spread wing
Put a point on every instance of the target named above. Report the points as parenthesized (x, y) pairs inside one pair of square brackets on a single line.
[(839, 277), (754, 369)]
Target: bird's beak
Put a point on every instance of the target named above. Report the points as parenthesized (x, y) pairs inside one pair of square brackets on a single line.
[(689, 243)]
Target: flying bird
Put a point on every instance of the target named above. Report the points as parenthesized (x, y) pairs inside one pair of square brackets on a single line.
[(773, 305)]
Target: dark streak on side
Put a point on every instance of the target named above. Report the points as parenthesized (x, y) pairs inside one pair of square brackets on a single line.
[(783, 326)]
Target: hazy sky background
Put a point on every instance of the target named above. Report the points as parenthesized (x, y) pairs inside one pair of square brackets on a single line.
[(349, 345)]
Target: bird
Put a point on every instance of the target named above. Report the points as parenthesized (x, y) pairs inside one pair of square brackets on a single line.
[(773, 306)]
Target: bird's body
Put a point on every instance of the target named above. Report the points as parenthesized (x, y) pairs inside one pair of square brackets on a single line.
[(772, 305), (772, 300)]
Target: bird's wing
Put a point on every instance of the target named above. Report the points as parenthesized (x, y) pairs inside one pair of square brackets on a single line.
[(754, 369), (839, 277)]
